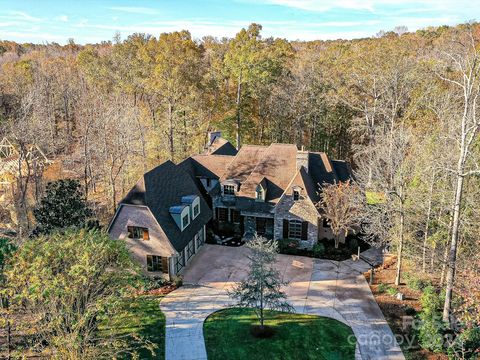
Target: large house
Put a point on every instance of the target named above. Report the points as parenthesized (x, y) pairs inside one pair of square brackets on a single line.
[(268, 190)]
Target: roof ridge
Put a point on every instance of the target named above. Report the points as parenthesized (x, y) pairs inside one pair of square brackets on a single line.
[(258, 164)]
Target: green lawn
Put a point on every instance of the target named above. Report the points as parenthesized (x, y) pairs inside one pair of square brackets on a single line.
[(140, 322), (298, 336)]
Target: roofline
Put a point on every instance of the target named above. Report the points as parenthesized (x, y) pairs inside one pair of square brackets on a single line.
[(154, 218), (117, 211)]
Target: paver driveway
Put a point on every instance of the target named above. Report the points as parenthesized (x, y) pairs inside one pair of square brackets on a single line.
[(317, 287)]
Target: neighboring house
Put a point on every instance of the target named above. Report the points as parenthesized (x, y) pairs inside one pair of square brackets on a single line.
[(163, 220), (269, 190)]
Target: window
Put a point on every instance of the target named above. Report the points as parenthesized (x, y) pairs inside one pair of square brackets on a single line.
[(135, 232), (296, 195), (196, 210), (185, 221), (261, 225), (259, 194), (295, 229), (228, 190), (209, 182), (157, 263), (222, 214), (235, 216)]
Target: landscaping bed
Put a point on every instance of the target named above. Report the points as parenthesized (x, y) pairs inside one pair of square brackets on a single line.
[(228, 335), (395, 310), (324, 249)]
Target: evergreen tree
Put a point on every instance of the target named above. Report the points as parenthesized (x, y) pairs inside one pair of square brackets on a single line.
[(262, 288), (61, 207)]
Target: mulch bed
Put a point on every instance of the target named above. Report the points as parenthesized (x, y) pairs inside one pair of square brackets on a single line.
[(393, 309), (164, 290)]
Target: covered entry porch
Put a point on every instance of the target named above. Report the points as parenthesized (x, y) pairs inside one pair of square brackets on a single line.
[(260, 225)]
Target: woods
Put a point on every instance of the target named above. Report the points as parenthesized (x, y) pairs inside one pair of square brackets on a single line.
[(401, 107)]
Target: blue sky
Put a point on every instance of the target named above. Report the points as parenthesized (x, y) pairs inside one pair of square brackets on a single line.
[(90, 21)]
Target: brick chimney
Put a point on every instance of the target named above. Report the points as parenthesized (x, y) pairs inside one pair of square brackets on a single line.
[(302, 159)]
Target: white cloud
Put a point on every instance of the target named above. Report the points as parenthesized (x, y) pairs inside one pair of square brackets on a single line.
[(20, 15), (135, 10), (411, 6), (63, 18)]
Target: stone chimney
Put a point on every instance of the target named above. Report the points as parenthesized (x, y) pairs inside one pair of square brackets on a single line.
[(212, 135), (302, 159)]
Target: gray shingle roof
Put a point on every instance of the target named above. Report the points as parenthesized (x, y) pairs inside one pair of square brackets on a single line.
[(162, 188), (221, 146)]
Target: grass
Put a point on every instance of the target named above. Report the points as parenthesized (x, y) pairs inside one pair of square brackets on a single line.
[(140, 325), (297, 336)]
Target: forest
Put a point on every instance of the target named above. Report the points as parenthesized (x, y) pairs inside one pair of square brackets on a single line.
[(402, 107)]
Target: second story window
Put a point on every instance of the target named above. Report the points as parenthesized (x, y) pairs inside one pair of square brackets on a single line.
[(196, 210), (228, 190), (136, 232), (296, 195), (185, 221)]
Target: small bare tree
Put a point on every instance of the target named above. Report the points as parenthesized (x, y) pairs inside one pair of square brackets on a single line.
[(342, 205)]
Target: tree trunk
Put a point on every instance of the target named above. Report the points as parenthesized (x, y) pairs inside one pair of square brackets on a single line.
[(452, 258), (400, 249), (239, 94), (427, 225), (170, 130), (261, 305)]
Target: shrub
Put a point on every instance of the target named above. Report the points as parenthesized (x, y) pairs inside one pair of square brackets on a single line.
[(410, 311), (416, 283), (318, 250), (466, 345), (152, 283), (391, 291), (431, 302), (431, 328), (289, 247), (430, 335), (353, 244), (177, 281), (381, 288)]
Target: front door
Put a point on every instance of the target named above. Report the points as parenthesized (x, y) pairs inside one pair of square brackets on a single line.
[(261, 227)]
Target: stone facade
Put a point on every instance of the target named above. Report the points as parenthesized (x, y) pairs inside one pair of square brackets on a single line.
[(303, 210)]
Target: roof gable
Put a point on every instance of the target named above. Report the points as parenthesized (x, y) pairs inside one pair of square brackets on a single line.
[(162, 188)]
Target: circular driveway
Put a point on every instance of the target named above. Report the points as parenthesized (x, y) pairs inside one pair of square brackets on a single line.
[(317, 287)]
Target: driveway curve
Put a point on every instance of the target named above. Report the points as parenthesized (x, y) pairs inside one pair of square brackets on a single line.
[(316, 287)]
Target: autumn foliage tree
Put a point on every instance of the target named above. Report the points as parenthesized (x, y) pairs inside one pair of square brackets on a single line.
[(341, 205)]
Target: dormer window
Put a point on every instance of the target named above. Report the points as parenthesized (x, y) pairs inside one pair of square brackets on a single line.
[(181, 215), (296, 194), (228, 190), (193, 203), (185, 220), (260, 194), (196, 210)]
